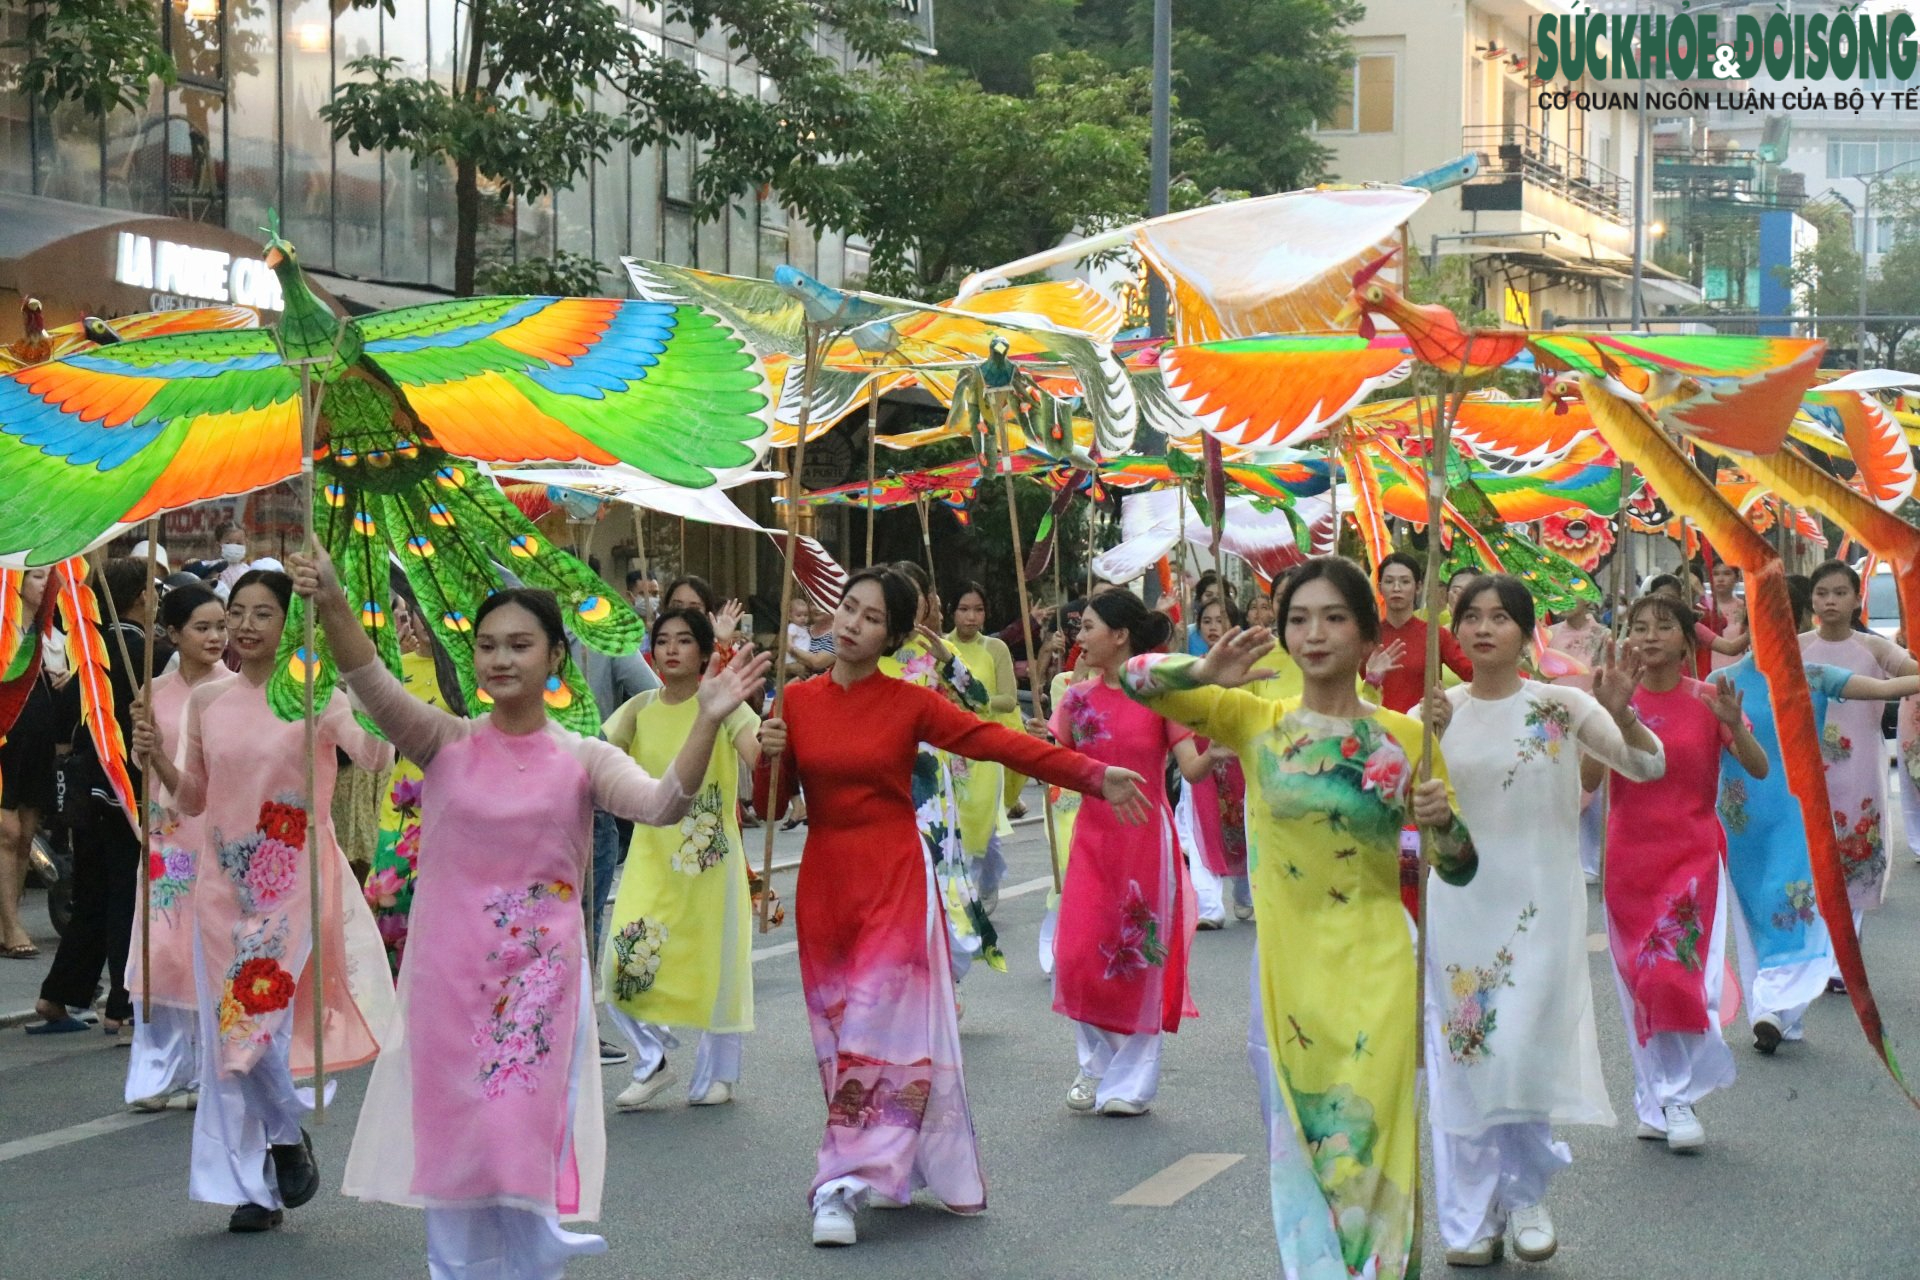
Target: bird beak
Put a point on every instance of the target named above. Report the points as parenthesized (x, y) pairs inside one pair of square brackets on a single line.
[(273, 258), (1349, 312)]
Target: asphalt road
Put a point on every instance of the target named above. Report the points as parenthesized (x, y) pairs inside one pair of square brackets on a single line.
[(1810, 1169)]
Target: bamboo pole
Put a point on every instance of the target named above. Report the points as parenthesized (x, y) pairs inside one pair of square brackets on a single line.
[(146, 786), (811, 358), (309, 429), (873, 429), (926, 539), (997, 401)]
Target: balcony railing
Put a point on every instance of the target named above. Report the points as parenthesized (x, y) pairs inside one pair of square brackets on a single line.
[(1509, 152)]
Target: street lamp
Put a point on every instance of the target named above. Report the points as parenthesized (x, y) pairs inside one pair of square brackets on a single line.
[(1868, 181)]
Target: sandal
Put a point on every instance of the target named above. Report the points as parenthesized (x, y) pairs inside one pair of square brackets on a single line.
[(23, 951), (57, 1027)]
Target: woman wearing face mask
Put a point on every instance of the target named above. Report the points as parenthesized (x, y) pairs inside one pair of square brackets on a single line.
[(242, 770), (1333, 1044), (1665, 875), (1211, 815), (486, 1109), (1511, 1046), (26, 763), (1126, 909), (1851, 740), (873, 959), (981, 789), (165, 1069), (681, 935)]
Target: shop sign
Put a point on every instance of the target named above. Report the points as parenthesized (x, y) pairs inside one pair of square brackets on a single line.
[(183, 275)]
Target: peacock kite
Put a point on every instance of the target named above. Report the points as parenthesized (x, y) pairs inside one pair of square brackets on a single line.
[(408, 402)]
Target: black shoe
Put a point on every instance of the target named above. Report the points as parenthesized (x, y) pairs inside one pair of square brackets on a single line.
[(611, 1054), (1766, 1035), (1836, 987), (295, 1170), (249, 1218)]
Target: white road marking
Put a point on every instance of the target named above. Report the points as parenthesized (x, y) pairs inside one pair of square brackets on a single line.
[(1179, 1179), (76, 1133)]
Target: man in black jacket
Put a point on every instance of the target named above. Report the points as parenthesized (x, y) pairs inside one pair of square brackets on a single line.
[(106, 841)]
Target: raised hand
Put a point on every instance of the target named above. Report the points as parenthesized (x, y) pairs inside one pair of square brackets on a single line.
[(1617, 676), (1121, 789), (935, 645), (1725, 701), (726, 623), (1230, 663), (736, 682), (1385, 660)]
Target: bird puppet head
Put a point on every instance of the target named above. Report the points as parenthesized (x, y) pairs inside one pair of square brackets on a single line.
[(32, 317), (1367, 296)]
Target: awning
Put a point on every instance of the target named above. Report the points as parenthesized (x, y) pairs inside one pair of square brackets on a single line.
[(362, 296), (81, 260)]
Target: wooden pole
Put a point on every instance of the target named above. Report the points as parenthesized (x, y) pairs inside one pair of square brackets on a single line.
[(814, 333), (926, 539), (997, 401), (309, 428), (146, 786), (873, 429)]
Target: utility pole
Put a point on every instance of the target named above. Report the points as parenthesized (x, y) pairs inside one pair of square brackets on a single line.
[(1158, 156)]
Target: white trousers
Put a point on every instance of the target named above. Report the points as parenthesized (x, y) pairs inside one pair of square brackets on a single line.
[(1593, 836), (1680, 1066), (1783, 991), (1479, 1180), (1127, 1067), (1048, 924), (1206, 885), (1909, 804), (166, 1052), (495, 1243), (716, 1058), (239, 1117)]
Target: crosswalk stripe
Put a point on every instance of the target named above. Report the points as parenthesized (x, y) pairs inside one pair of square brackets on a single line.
[(1179, 1179)]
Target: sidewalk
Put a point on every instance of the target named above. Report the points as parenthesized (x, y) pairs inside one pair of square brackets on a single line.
[(20, 979)]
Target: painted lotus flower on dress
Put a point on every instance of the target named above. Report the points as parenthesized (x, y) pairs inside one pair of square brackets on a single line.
[(703, 837), (1138, 944), (636, 957), (1355, 779), (1084, 720), (1676, 934)]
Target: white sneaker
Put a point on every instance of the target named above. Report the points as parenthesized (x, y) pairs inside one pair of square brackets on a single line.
[(833, 1222), (718, 1093), (1121, 1107), (183, 1100), (989, 900), (1243, 911), (1081, 1092), (1483, 1252), (1684, 1131), (1650, 1132), (1211, 922), (1533, 1238), (147, 1106), (877, 1201), (641, 1092)]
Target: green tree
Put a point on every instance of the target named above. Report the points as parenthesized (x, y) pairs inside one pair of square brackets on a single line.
[(99, 54), (1252, 78), (968, 178), (1826, 274), (996, 41), (548, 87)]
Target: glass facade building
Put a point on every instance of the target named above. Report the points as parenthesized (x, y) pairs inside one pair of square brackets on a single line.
[(240, 133)]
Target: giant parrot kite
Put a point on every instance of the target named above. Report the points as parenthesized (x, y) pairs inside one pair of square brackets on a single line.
[(95, 442)]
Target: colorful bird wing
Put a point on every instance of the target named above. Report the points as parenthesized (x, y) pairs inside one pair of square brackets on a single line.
[(670, 389), (1874, 442), (1061, 304), (1279, 389), (1750, 414), (836, 394), (1521, 431), (88, 659), (1587, 479), (1695, 355), (97, 442), (814, 569), (767, 316), (11, 625), (70, 339)]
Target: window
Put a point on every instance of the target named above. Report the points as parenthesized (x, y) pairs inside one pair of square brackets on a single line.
[(1368, 91), (1857, 156)]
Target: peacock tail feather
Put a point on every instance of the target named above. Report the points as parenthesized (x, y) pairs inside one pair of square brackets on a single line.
[(87, 654), (445, 579)]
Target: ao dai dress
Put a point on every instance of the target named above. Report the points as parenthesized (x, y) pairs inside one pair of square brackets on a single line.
[(242, 769), (1856, 772), (873, 946), (166, 1033), (980, 786), (485, 1105), (1511, 1041), (1327, 797), (1665, 918), (678, 951)]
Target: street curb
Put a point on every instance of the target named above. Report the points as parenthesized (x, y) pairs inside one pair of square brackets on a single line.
[(20, 1019)]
